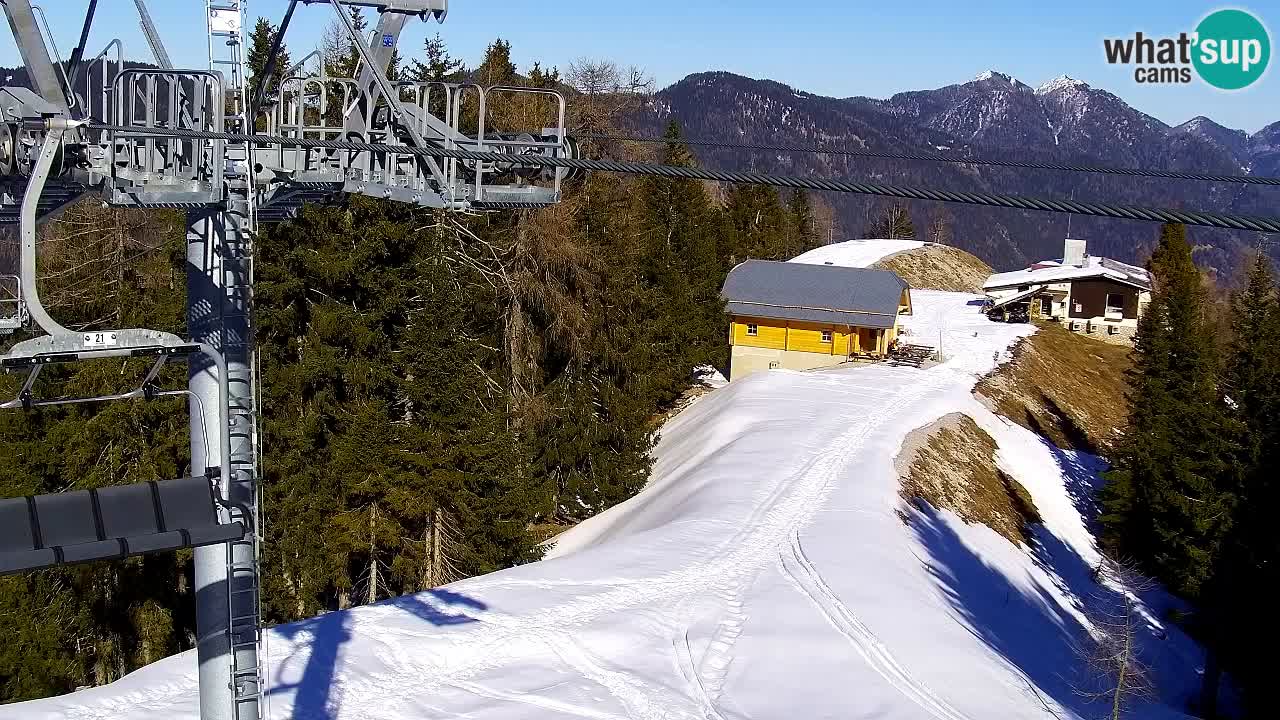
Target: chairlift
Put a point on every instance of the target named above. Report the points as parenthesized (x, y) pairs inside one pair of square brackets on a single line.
[(109, 523)]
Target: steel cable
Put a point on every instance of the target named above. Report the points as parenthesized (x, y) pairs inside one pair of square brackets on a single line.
[(1228, 221), (931, 157)]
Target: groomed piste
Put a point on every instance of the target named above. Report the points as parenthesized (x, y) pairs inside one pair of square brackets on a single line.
[(770, 569)]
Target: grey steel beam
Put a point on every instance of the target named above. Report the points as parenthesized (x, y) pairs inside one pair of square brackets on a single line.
[(153, 37), (49, 151), (34, 52), (218, 313), (383, 46)]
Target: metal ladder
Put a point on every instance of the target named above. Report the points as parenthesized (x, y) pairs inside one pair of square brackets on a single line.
[(226, 21)]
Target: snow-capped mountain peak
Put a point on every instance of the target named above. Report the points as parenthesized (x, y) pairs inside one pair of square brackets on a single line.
[(993, 75), (1062, 82)]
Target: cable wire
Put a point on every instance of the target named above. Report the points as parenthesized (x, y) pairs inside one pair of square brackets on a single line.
[(1228, 221), (932, 157)]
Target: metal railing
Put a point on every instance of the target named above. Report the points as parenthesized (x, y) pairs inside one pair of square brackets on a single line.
[(183, 99)]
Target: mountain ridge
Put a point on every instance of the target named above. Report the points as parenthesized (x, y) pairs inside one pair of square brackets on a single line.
[(993, 115)]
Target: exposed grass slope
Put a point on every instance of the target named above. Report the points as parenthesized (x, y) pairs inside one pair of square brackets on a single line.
[(1069, 388), (951, 464), (938, 267)]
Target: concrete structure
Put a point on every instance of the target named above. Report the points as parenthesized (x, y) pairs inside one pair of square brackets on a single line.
[(1089, 295), (801, 317)]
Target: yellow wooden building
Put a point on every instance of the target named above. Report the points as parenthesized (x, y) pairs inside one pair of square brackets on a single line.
[(800, 317)]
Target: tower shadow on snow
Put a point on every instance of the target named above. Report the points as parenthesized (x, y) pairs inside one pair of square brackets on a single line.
[(316, 694)]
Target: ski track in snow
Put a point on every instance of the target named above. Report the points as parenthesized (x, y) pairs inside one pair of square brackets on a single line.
[(800, 571), (786, 508)]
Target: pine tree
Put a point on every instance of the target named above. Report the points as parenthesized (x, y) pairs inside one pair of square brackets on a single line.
[(440, 66), (1167, 504)]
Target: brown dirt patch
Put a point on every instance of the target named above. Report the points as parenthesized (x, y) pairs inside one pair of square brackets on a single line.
[(951, 464), (1067, 387), (938, 267)]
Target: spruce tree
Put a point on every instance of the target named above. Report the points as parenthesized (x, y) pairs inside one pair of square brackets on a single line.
[(802, 234), (1252, 374), (440, 66), (1250, 557), (758, 224), (497, 67), (260, 40), (1167, 503), (91, 624)]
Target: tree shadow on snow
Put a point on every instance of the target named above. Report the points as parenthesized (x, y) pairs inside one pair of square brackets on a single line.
[(1026, 626), (316, 695), (1081, 474), (440, 607)]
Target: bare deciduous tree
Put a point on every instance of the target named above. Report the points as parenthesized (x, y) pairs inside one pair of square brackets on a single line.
[(940, 228), (1117, 673), (894, 224), (607, 91)]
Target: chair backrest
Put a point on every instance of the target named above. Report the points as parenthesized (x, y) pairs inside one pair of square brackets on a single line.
[(110, 523), (17, 530)]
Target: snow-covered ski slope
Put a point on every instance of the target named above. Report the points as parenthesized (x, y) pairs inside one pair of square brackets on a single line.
[(770, 570)]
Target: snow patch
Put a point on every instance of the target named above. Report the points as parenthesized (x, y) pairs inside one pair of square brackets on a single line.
[(993, 75), (709, 376), (856, 253), (1062, 82)]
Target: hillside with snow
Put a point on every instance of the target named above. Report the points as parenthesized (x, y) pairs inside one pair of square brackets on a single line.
[(769, 570)]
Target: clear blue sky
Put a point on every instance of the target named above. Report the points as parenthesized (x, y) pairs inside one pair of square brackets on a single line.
[(831, 47)]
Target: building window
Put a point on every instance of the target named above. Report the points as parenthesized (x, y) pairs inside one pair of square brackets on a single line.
[(826, 336), (753, 329), (1115, 304)]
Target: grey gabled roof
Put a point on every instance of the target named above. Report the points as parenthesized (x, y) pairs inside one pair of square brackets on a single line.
[(814, 293)]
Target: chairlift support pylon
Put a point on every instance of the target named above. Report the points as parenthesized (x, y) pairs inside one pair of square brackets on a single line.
[(55, 146)]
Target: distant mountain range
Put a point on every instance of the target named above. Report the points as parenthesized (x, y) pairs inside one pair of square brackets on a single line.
[(993, 115)]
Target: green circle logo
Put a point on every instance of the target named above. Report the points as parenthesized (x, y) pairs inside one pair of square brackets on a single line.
[(1232, 49)]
